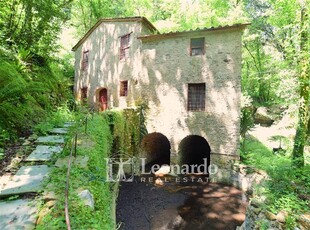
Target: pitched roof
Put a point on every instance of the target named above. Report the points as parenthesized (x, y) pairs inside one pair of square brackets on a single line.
[(184, 33), (143, 20)]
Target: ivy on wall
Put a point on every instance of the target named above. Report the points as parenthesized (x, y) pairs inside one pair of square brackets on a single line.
[(128, 128)]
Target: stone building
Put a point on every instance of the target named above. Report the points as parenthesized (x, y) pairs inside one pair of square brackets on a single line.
[(190, 79)]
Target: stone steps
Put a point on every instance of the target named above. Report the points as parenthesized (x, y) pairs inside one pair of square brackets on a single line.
[(44, 153), (27, 179), (22, 213)]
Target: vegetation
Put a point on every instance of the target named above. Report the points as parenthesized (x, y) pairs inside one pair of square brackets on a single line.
[(127, 128), (96, 145), (288, 189), (35, 82), (107, 134)]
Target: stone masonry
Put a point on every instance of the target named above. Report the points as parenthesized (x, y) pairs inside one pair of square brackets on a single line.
[(159, 69)]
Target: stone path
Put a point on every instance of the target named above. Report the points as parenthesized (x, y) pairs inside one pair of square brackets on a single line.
[(44, 153), (18, 214), (22, 213)]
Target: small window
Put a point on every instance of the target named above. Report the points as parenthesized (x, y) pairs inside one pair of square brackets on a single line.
[(85, 60), (124, 89), (84, 94), (197, 46), (124, 46), (196, 97)]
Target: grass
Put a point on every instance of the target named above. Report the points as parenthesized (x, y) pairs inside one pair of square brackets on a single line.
[(55, 119), (288, 188), (96, 144)]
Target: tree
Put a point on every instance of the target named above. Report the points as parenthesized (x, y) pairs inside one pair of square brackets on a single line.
[(33, 25), (304, 90)]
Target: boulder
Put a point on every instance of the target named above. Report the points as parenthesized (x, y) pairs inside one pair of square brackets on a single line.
[(262, 117), (281, 216), (87, 198), (304, 221)]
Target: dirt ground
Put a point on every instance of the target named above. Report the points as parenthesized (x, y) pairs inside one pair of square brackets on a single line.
[(175, 205)]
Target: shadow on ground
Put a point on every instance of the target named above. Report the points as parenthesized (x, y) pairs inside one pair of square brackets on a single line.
[(190, 205)]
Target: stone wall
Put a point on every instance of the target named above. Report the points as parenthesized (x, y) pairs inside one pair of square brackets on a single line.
[(105, 69), (158, 72), (167, 70)]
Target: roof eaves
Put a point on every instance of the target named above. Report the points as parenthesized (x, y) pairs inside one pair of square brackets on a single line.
[(143, 20), (182, 33)]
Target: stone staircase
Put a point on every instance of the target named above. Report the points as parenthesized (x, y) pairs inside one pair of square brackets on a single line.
[(22, 213)]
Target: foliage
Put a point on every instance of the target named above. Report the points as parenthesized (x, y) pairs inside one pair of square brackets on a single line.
[(167, 15), (247, 110), (276, 59), (33, 25), (288, 188), (128, 129), (96, 144), (55, 118), (32, 81), (28, 91)]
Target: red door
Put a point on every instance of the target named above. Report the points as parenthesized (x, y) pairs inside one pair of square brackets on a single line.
[(103, 99)]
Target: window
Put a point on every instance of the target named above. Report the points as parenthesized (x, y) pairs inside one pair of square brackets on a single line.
[(197, 46), (196, 97), (85, 60), (124, 47), (124, 89), (83, 94)]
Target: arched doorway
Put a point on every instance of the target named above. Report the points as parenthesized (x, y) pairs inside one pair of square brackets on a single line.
[(194, 150), (155, 147), (103, 99)]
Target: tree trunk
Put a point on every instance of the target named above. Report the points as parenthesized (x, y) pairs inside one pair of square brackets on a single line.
[(304, 79)]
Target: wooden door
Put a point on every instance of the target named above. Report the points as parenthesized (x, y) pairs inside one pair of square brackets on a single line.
[(103, 99)]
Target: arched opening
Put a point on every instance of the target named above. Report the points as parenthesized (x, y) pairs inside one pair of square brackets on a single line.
[(195, 151), (103, 99), (155, 147)]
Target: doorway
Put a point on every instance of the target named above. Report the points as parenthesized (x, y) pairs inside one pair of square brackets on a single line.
[(103, 99)]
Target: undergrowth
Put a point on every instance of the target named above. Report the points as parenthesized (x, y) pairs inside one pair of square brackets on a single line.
[(56, 118), (288, 188), (96, 145)]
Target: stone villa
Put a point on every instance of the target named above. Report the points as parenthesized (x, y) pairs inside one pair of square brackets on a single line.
[(190, 79)]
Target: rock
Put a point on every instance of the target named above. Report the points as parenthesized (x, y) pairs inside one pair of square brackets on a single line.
[(256, 210), (26, 143), (44, 211), (49, 195), (14, 163), (43, 153), (79, 161), (63, 162), (262, 172), (270, 215), (27, 179), (164, 169), (59, 131), (159, 182), (50, 203), (304, 221), (281, 216), (51, 139), (255, 203), (87, 198), (18, 214), (262, 117)]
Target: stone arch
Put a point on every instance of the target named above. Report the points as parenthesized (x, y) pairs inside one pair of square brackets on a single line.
[(155, 147), (102, 96), (193, 149)]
